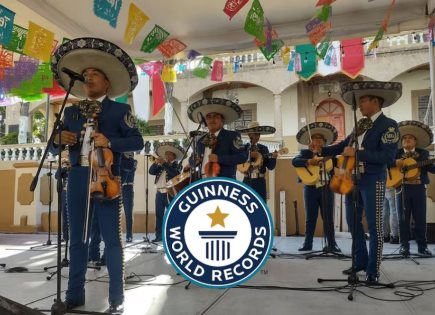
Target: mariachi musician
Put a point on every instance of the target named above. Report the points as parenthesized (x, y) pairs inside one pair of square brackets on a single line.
[(259, 158), (317, 193), (109, 73), (415, 137), (165, 167), (378, 147), (220, 150)]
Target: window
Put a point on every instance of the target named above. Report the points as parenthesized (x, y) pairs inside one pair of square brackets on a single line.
[(249, 114)]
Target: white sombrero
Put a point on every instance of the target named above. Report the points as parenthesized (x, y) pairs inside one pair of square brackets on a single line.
[(254, 127), (162, 147), (82, 53), (230, 110), (420, 131), (327, 130), (390, 92)]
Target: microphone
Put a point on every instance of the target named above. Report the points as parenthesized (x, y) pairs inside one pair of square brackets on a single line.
[(74, 75), (203, 121)]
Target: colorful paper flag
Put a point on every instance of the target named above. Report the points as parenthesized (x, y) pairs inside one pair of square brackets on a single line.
[(171, 47), (203, 67), (39, 42), (259, 43), (158, 92), (19, 35), (285, 55), (108, 10), (317, 29), (291, 63), (193, 54), (323, 47), (136, 20), (169, 74), (276, 46), (152, 68), (154, 39), (233, 6), (122, 99), (254, 22), (6, 25), (229, 71), (308, 60), (56, 90), (324, 2), (217, 73), (376, 40), (6, 61), (352, 60)]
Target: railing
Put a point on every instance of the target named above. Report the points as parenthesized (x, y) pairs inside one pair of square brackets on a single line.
[(34, 151)]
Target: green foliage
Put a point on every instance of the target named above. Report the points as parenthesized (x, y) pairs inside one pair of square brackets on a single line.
[(10, 138), (38, 125), (143, 127)]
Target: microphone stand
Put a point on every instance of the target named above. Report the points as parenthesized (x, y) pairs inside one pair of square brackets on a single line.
[(50, 200), (58, 308)]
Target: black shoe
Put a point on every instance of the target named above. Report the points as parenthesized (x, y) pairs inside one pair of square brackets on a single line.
[(116, 308), (101, 263), (386, 239), (348, 271), (371, 279), (305, 247), (404, 251), (129, 240), (394, 240), (425, 252), (70, 305)]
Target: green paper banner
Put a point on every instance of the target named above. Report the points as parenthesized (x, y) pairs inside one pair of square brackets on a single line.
[(154, 39), (276, 46), (19, 35), (254, 22), (308, 61), (203, 67)]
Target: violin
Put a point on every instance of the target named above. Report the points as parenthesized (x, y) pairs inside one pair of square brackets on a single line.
[(212, 169), (104, 185), (342, 182)]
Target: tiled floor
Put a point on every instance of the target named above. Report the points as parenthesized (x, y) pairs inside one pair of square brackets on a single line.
[(155, 288)]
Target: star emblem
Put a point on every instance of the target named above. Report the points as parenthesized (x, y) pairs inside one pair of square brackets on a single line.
[(217, 217)]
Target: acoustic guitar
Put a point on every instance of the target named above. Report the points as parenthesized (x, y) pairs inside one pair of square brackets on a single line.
[(257, 160), (409, 171), (310, 175)]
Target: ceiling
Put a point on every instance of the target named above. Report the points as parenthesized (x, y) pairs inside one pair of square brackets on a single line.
[(203, 26)]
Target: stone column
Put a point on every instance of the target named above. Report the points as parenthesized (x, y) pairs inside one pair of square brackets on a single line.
[(277, 115)]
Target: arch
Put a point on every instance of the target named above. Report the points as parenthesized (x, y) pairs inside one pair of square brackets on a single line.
[(332, 111)]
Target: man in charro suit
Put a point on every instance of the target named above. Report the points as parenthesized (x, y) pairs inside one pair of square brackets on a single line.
[(165, 167), (109, 73), (378, 147), (219, 145), (318, 195), (416, 136)]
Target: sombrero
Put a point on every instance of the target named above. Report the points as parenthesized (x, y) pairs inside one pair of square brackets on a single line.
[(230, 110), (327, 130), (390, 92), (254, 127), (82, 53), (420, 131), (162, 147)]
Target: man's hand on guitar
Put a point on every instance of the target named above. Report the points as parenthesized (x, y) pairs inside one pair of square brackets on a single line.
[(349, 151), (399, 163), (314, 161), (66, 137), (100, 140)]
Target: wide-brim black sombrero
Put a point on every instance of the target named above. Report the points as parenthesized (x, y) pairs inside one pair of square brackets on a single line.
[(82, 53), (173, 147), (420, 131), (228, 109), (390, 92), (328, 131), (254, 127)]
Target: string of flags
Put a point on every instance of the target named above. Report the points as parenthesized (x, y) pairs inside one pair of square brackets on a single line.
[(36, 44)]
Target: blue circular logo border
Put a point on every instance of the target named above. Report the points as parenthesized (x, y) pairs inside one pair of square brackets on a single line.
[(210, 180)]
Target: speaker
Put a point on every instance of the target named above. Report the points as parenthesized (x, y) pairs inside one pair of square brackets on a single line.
[(9, 307)]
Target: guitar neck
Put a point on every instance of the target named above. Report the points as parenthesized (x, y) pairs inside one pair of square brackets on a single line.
[(421, 164)]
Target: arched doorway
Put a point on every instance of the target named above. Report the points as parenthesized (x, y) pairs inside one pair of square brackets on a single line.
[(332, 111)]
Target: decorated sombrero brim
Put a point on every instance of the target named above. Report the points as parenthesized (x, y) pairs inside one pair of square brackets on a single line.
[(328, 131), (82, 53), (173, 147), (420, 131), (228, 109), (254, 127), (390, 92)]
